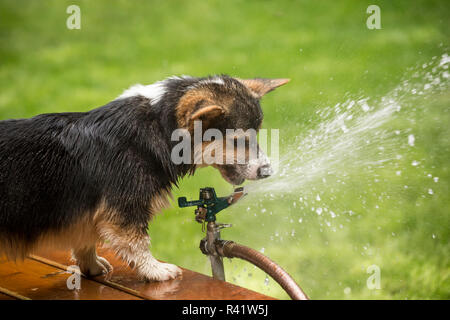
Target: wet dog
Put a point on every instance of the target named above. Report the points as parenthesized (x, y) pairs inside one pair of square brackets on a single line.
[(73, 180)]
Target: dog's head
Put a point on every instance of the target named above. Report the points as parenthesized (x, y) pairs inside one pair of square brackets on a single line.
[(226, 112)]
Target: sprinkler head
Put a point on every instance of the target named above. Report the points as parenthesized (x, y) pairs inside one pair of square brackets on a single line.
[(208, 204), (237, 195)]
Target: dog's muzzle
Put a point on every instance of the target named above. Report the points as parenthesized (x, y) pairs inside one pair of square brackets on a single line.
[(264, 171)]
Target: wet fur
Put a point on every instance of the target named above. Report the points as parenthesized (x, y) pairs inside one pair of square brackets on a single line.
[(59, 169), (74, 179)]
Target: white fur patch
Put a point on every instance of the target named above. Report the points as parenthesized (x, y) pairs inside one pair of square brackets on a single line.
[(156, 90), (153, 92), (215, 80)]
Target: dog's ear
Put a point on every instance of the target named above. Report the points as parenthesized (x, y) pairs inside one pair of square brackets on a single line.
[(207, 113), (197, 105), (261, 86)]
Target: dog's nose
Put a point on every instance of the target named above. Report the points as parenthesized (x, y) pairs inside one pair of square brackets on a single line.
[(264, 171)]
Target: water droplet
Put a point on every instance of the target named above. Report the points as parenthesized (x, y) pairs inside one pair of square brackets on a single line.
[(350, 105), (411, 140)]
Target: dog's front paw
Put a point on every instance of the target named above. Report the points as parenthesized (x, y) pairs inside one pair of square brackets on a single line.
[(160, 272), (95, 267)]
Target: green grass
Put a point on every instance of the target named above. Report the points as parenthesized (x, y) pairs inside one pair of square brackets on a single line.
[(327, 51)]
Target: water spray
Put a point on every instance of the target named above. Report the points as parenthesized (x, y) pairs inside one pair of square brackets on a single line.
[(208, 206)]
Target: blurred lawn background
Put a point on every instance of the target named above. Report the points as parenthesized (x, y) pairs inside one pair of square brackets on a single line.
[(327, 51)]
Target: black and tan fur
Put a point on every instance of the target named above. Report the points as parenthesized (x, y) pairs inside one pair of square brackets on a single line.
[(73, 180)]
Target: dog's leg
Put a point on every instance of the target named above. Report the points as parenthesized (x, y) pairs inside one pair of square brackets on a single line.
[(90, 264), (132, 246)]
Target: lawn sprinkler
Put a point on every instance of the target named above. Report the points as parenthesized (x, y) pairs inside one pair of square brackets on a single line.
[(208, 206)]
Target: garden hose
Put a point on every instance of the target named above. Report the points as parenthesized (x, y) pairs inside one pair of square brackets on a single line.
[(232, 249)]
